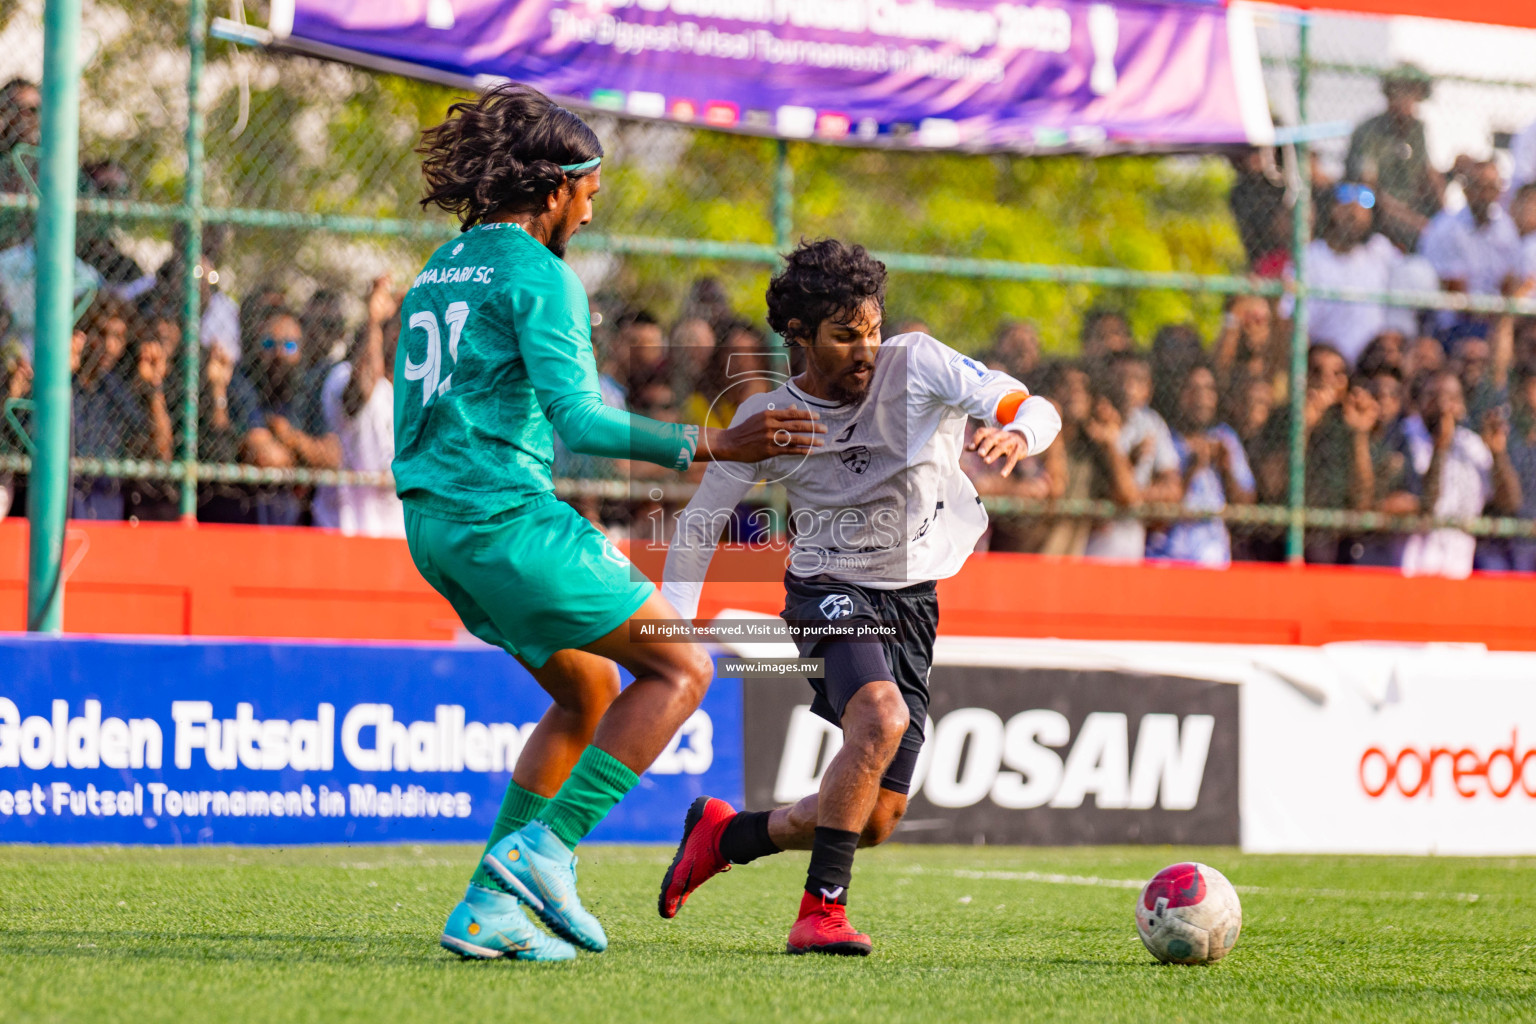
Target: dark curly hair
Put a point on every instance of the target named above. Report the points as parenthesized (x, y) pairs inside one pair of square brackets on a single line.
[(502, 150), (822, 280)]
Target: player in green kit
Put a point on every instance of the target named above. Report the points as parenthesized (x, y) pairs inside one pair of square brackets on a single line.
[(495, 355)]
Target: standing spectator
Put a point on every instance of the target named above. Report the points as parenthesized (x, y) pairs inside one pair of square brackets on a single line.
[(15, 386), (227, 413), (1215, 473), (1522, 150), (708, 301), (18, 283), (290, 432), (325, 331), (1247, 407), (1015, 349), (1387, 351), (1259, 208), (1349, 256), (1337, 432), (1522, 210), (1464, 474), (105, 410), (1476, 249), (1248, 347), (220, 323), (1106, 332), (1378, 398), (20, 125), (1482, 363), (689, 349), (1388, 152), (1125, 420), (358, 405), (643, 346), (94, 242), (1176, 349), (1089, 464), (151, 500), (1518, 554)]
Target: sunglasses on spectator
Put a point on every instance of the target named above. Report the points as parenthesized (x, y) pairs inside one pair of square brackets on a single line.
[(1355, 194), (288, 346)]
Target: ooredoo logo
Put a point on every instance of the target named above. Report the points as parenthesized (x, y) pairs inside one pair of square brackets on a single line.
[(1411, 771)]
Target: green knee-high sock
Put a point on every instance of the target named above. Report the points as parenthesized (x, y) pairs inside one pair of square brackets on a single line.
[(518, 808), (598, 781)]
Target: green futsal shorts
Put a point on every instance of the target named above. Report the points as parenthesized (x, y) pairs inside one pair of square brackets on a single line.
[(532, 581)]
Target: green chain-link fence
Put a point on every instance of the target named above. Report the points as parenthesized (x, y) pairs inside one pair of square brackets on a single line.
[(298, 189)]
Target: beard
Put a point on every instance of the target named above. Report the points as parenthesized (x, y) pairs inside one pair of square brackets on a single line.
[(557, 243), (282, 383), (847, 390)]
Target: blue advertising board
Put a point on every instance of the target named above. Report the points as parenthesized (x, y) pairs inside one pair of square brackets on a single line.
[(196, 741)]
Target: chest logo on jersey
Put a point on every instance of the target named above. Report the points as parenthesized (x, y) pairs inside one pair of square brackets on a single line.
[(837, 606), (846, 434), (855, 458)]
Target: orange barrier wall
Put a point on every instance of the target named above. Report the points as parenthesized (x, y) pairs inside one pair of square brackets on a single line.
[(210, 580)]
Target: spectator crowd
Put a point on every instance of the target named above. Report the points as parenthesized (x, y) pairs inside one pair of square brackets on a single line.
[(1405, 411)]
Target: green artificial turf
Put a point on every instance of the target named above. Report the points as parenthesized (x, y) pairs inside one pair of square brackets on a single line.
[(961, 934)]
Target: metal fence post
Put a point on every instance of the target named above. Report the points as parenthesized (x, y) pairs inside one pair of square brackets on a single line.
[(54, 242), (192, 255), (1300, 235), (783, 198)]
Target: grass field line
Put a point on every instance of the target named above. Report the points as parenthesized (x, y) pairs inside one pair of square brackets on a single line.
[(1266, 890)]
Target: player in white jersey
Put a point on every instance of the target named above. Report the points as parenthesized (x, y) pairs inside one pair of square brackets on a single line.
[(877, 514)]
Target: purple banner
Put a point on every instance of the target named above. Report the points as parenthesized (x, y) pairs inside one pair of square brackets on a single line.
[(967, 74)]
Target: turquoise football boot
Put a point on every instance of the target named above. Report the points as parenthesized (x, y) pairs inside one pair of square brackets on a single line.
[(540, 870), (488, 925)]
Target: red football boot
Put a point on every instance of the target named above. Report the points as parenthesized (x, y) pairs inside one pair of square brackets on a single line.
[(823, 927), (698, 855)]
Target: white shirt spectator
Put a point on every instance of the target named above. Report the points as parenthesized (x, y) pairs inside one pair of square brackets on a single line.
[(18, 288), (1481, 256), (1528, 256), (221, 325), (367, 445), (1126, 539), (1369, 266), (1466, 485), (1522, 148), (1409, 274)]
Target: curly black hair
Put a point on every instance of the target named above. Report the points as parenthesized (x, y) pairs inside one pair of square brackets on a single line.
[(502, 150), (823, 280)]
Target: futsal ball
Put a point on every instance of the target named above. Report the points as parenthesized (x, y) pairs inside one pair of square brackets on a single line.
[(1188, 914)]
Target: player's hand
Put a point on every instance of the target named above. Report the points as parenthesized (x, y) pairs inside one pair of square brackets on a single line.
[(764, 435), (993, 443)]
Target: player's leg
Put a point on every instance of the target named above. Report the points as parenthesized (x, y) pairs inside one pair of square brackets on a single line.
[(874, 720), (536, 862), (488, 924), (583, 686)]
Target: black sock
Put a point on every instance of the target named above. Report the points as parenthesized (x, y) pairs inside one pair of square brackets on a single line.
[(831, 864), (745, 838)]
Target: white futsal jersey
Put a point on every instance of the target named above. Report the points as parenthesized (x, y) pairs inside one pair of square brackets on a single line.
[(884, 504)]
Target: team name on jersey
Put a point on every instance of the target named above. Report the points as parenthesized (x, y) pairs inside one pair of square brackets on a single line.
[(455, 275)]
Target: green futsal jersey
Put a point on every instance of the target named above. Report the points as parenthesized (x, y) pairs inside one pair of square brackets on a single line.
[(495, 354)]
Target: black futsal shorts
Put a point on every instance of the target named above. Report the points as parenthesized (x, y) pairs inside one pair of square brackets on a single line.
[(907, 620)]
